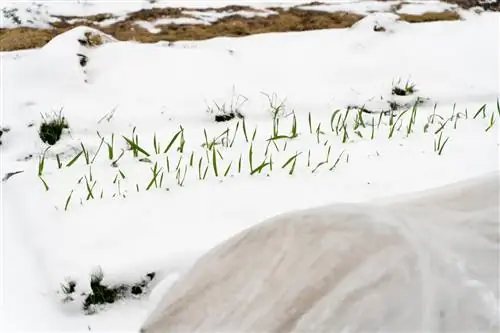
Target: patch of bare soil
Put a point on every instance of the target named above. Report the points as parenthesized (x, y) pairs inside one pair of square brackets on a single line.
[(283, 20), (486, 5)]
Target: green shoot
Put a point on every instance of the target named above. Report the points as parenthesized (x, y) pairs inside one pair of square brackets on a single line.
[(235, 132), (214, 162), (481, 109), (97, 152), (135, 147), (337, 161), (492, 122), (59, 164), (171, 143), (228, 169), (44, 183), (332, 119), (41, 162), (245, 130), (68, 200)]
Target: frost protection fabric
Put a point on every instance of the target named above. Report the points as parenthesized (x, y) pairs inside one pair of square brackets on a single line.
[(427, 262)]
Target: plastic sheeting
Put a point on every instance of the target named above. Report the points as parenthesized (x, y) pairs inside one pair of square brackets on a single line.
[(426, 262)]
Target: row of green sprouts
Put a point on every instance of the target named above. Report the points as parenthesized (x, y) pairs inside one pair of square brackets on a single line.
[(240, 149)]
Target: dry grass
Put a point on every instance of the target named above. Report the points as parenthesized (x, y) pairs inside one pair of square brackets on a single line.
[(24, 38), (293, 19), (447, 15)]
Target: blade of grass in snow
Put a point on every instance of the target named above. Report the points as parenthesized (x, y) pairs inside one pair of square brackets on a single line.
[(199, 167), (337, 161), (191, 158), (68, 200), (332, 119), (136, 147), (245, 130), (171, 143), (481, 109), (214, 162), (41, 162), (235, 132), (492, 122), (97, 152), (259, 168), (111, 147), (228, 169), (59, 164), (393, 125), (85, 154), (44, 183)]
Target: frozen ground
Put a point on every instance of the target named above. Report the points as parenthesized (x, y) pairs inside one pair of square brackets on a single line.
[(41, 14), (50, 236)]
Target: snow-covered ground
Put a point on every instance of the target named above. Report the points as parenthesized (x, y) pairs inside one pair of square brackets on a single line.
[(216, 179), (41, 14)]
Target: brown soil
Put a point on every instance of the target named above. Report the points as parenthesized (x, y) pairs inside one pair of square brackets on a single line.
[(447, 15), (293, 19)]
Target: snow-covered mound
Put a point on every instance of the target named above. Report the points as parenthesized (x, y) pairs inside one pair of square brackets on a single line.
[(427, 262)]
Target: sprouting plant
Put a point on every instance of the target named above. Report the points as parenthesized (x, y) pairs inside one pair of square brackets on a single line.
[(59, 163), (393, 126), (156, 145), (97, 151), (292, 160), (276, 107), (51, 128), (90, 188), (334, 166), (85, 154), (332, 119), (439, 144), (412, 118), (325, 161), (41, 162), (171, 143), (408, 89), (260, 167), (244, 131), (68, 200), (156, 171), (294, 132), (44, 183), (134, 145), (214, 162), (482, 110), (492, 122), (234, 135)]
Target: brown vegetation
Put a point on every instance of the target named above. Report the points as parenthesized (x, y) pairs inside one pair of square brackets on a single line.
[(447, 15), (292, 19)]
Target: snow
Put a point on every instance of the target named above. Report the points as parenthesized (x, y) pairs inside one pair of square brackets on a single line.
[(157, 88), (426, 7)]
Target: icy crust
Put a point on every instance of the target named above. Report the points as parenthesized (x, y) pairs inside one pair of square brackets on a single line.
[(413, 264)]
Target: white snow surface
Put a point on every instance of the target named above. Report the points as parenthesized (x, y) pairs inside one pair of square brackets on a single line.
[(157, 88), (426, 7)]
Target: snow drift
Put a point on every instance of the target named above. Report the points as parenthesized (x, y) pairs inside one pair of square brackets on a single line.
[(424, 262)]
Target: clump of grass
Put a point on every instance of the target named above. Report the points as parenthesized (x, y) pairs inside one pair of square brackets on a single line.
[(51, 128), (408, 89), (101, 294)]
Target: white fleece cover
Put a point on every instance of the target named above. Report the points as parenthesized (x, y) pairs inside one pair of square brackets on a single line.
[(426, 262)]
